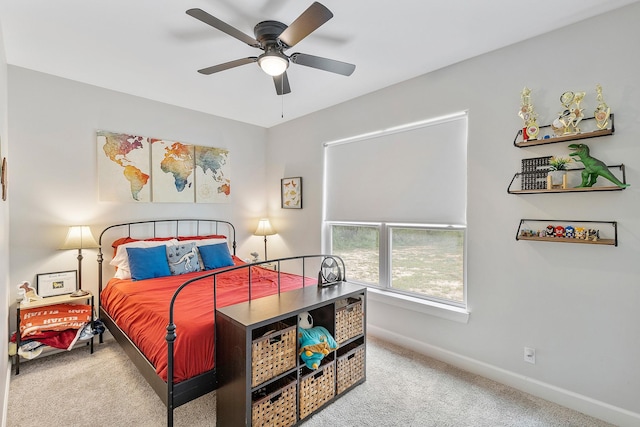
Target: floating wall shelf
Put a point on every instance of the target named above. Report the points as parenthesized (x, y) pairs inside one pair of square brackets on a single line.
[(582, 223), (518, 142), (610, 187)]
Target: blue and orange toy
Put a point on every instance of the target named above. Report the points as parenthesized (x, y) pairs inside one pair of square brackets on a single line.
[(315, 341)]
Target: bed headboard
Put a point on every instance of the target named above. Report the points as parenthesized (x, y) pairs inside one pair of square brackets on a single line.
[(162, 228)]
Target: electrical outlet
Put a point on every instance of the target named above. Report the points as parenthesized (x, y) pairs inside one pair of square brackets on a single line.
[(530, 355)]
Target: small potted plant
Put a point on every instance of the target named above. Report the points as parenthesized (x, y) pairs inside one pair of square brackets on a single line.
[(557, 171)]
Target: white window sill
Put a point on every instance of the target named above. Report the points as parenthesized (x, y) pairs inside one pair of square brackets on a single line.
[(432, 308)]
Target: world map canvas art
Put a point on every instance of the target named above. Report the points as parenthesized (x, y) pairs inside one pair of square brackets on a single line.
[(135, 168)]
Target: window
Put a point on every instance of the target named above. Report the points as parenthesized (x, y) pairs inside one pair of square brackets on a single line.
[(358, 246), (395, 208), (424, 261), (428, 262)]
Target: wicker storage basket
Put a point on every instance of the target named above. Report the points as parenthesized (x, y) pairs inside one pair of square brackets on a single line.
[(272, 355), (317, 388), (349, 321), (277, 409), (350, 368)]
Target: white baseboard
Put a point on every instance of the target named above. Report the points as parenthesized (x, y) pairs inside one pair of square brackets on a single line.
[(586, 405)]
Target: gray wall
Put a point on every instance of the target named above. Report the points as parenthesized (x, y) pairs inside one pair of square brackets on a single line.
[(576, 304)]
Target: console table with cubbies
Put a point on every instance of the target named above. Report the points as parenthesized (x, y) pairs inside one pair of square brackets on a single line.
[(262, 380)]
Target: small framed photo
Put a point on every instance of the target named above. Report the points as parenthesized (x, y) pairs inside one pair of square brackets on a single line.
[(58, 283), (291, 193)]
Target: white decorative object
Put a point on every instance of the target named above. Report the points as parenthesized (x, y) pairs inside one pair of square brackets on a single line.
[(26, 293)]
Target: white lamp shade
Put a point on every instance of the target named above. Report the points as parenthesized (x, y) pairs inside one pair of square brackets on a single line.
[(264, 228), (79, 237)]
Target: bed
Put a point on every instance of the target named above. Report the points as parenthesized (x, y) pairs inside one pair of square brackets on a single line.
[(166, 323)]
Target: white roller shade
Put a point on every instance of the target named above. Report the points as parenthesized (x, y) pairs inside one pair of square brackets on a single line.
[(416, 174)]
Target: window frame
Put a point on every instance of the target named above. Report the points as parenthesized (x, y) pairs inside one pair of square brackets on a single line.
[(385, 261)]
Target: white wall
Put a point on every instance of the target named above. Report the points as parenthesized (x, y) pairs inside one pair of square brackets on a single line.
[(54, 183), (4, 233), (576, 304)]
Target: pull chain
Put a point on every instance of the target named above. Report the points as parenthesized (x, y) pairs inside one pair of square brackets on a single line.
[(282, 100)]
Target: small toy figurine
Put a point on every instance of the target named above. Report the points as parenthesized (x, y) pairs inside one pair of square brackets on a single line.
[(550, 230), (559, 231), (592, 234), (569, 232), (580, 233)]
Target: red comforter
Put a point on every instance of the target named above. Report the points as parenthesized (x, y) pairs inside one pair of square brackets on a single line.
[(141, 310)]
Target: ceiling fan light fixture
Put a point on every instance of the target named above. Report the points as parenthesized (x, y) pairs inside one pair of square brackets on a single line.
[(273, 63), (273, 38)]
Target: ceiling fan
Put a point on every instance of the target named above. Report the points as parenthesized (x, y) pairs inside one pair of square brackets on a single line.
[(274, 38)]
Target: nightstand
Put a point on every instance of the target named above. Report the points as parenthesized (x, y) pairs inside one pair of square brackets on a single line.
[(45, 302)]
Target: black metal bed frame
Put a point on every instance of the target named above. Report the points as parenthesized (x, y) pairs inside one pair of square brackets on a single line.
[(175, 395)]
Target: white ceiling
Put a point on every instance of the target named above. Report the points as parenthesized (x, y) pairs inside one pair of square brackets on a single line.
[(152, 48)]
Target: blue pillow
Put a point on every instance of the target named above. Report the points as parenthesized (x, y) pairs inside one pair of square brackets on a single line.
[(183, 258), (147, 263), (215, 256)]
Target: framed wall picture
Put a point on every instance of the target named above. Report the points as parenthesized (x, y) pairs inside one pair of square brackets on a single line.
[(58, 283), (291, 193)]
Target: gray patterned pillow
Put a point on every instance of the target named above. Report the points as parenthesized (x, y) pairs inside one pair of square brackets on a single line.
[(183, 258)]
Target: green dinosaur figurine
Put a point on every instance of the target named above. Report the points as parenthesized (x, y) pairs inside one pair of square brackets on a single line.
[(593, 168)]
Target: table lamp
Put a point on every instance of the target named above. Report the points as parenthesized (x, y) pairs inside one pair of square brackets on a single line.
[(264, 229), (79, 237)]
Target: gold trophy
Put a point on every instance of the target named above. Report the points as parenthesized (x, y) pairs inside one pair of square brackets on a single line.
[(528, 116), (578, 112), (602, 111), (571, 115)]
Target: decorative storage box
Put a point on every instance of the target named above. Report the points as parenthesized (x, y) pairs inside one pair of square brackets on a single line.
[(534, 173), (350, 368), (317, 388), (273, 354), (349, 320), (277, 409)]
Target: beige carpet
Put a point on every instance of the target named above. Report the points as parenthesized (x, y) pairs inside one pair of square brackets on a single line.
[(402, 389)]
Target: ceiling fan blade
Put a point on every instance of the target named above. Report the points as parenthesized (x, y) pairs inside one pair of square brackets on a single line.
[(227, 65), (309, 21), (282, 84), (325, 64), (222, 26)]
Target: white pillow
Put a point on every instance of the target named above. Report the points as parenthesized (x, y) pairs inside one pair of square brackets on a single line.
[(121, 260), (205, 242)]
